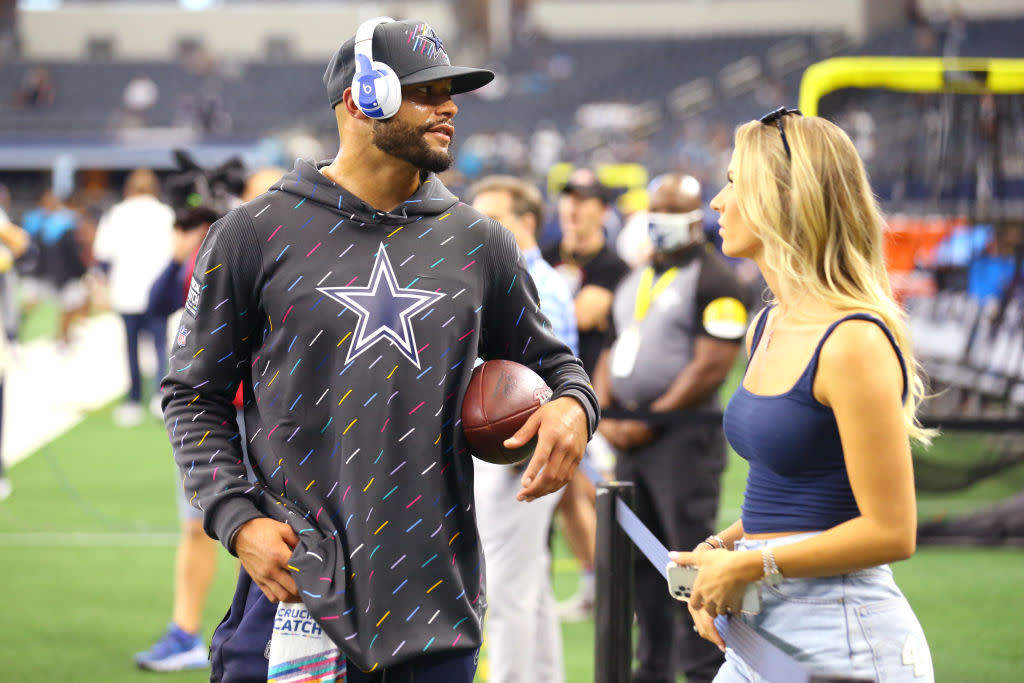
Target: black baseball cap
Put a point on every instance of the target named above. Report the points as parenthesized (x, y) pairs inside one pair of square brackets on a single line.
[(413, 50), (584, 183)]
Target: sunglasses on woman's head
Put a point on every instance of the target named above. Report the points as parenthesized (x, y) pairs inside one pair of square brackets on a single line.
[(776, 118)]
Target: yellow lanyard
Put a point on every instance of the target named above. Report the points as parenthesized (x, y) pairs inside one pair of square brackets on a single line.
[(649, 290)]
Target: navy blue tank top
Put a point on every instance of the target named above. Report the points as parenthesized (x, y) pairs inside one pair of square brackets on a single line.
[(797, 479)]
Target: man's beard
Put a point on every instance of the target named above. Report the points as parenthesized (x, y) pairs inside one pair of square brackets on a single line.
[(406, 142)]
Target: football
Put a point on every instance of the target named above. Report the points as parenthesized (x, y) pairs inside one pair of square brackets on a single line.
[(500, 398)]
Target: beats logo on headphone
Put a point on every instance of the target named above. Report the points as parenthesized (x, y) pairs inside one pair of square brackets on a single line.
[(378, 93)]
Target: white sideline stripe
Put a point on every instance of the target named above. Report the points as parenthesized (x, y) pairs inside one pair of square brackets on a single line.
[(48, 392), (112, 539)]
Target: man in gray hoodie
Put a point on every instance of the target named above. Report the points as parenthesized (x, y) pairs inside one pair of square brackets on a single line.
[(350, 302)]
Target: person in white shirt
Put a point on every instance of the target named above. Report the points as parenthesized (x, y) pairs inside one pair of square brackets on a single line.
[(133, 240)]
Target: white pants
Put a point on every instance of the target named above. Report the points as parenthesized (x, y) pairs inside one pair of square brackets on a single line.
[(523, 635)]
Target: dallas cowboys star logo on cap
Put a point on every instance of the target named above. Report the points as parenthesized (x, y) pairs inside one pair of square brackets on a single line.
[(385, 310), (435, 39), (425, 42)]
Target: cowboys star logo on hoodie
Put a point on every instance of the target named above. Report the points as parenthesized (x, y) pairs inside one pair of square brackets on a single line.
[(385, 310)]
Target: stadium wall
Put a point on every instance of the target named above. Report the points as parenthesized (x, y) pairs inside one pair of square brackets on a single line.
[(152, 32), (973, 9), (657, 18), (142, 31)]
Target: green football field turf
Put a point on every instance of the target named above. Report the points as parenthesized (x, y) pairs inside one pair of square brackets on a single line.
[(87, 542)]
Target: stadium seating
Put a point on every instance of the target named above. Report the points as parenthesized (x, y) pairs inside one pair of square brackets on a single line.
[(541, 81)]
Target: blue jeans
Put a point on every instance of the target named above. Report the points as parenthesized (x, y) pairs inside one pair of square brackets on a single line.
[(857, 624), (156, 327)]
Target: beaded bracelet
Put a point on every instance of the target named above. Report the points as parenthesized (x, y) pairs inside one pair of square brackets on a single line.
[(721, 543)]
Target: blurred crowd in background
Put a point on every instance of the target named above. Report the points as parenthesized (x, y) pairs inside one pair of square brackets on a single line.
[(948, 169)]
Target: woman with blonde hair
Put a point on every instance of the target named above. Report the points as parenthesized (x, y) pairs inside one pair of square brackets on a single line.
[(824, 415)]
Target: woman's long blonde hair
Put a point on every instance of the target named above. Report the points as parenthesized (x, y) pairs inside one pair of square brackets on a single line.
[(821, 227)]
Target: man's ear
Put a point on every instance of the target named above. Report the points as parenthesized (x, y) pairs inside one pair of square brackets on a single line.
[(348, 104)]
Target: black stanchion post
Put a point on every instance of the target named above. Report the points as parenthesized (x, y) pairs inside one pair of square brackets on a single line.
[(613, 604)]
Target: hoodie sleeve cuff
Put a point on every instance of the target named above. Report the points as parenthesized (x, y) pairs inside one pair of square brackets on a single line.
[(589, 403), (228, 517)]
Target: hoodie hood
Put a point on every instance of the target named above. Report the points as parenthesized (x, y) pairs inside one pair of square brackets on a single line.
[(306, 181)]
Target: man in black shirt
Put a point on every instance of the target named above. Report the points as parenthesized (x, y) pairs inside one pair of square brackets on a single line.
[(350, 302), (583, 257)]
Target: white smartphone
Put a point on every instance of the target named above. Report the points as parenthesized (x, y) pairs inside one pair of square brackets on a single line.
[(680, 585)]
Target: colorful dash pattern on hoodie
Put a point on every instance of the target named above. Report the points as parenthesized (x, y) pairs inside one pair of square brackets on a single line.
[(353, 333)]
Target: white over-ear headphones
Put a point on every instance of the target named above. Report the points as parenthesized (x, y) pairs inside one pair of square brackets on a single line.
[(375, 86)]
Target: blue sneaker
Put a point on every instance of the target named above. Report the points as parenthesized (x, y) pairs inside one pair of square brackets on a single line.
[(175, 651)]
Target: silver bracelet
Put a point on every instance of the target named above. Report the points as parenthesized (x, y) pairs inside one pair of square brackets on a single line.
[(770, 568), (721, 543)]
